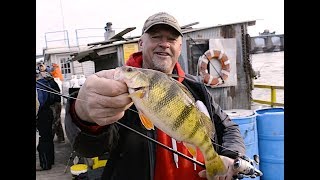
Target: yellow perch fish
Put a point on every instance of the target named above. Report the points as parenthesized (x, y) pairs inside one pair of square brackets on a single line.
[(167, 104)]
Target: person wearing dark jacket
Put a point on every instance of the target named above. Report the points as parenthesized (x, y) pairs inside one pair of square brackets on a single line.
[(44, 118), (56, 106), (56, 109), (101, 101)]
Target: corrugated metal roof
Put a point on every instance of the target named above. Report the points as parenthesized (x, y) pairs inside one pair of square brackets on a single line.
[(92, 51), (60, 50), (250, 23)]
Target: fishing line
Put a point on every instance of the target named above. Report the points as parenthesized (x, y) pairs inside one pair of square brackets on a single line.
[(61, 94), (154, 141), (192, 80), (162, 145), (48, 87), (262, 66), (55, 91), (201, 50)]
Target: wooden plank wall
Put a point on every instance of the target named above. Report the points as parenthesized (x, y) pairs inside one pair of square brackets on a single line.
[(232, 97)]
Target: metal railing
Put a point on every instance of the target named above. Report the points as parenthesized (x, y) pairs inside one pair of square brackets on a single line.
[(58, 34), (86, 36), (273, 100)]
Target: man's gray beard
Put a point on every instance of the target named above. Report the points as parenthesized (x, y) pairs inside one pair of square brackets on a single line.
[(163, 67)]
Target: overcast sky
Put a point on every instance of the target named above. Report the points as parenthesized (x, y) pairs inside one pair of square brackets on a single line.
[(79, 15)]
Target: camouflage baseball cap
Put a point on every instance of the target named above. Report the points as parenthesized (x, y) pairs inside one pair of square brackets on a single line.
[(161, 18)]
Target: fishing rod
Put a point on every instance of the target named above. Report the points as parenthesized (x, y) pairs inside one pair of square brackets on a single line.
[(162, 145), (243, 164)]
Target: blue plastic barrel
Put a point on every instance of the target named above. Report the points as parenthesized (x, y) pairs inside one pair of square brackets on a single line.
[(246, 119), (270, 122)]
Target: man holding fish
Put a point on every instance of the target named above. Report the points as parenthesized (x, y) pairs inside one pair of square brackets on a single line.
[(153, 96)]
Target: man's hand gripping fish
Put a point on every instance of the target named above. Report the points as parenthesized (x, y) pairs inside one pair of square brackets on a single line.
[(167, 104)]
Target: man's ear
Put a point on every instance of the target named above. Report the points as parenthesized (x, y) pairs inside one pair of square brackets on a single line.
[(140, 43)]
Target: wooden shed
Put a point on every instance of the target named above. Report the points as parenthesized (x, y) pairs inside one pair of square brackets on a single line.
[(233, 95), (62, 56)]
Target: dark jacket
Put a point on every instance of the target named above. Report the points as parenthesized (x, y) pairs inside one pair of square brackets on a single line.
[(42, 95), (48, 85), (54, 85), (133, 156)]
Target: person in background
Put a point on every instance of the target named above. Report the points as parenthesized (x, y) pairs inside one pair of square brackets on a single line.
[(56, 107), (44, 118), (101, 101), (37, 103), (57, 128), (56, 71), (42, 67)]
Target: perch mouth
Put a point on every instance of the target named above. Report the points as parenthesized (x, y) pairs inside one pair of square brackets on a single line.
[(135, 89)]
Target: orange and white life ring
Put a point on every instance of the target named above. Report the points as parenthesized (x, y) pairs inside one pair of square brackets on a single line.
[(208, 79)]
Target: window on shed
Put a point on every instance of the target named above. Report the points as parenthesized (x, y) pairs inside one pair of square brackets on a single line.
[(65, 68), (196, 48)]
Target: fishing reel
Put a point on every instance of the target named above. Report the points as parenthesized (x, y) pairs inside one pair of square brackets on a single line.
[(246, 167)]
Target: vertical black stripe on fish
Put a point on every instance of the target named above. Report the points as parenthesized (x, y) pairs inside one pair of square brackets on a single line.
[(155, 78), (182, 117), (195, 129), (170, 94), (209, 148), (204, 140), (211, 157), (154, 83)]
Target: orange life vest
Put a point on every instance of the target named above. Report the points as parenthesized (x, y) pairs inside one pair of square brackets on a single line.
[(56, 72)]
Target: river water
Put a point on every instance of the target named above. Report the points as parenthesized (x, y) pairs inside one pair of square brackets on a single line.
[(271, 67)]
